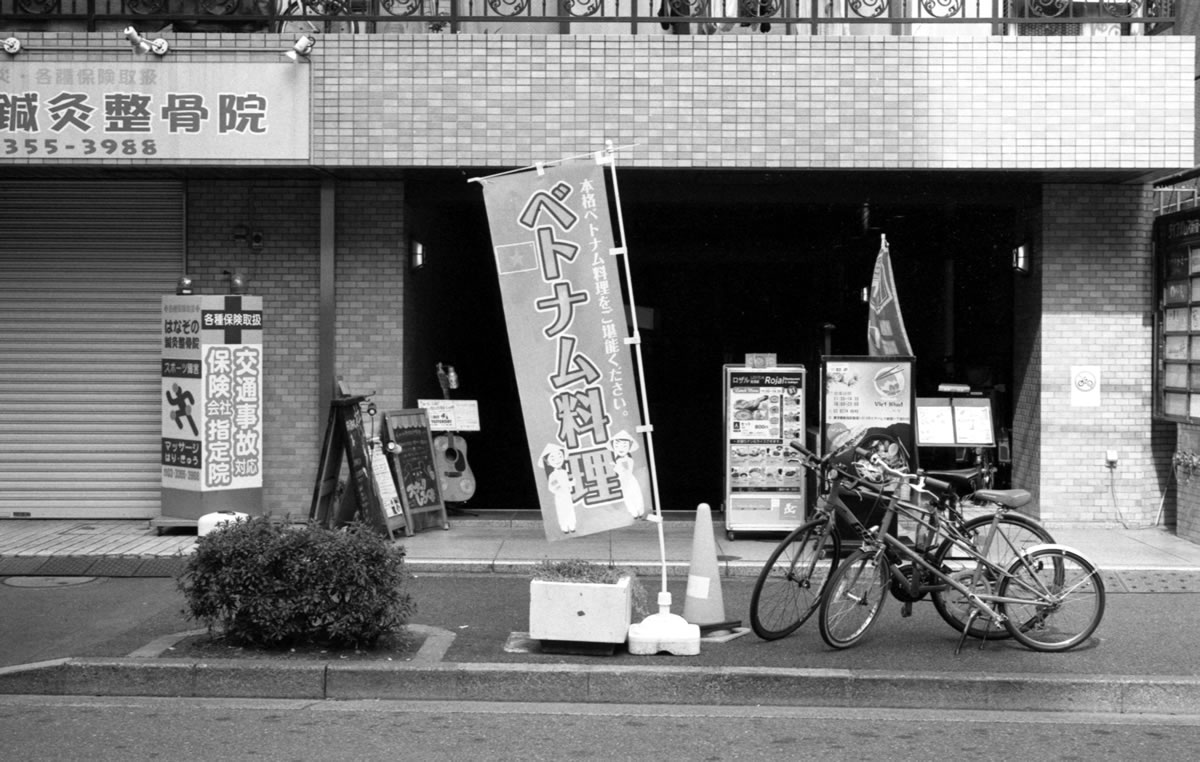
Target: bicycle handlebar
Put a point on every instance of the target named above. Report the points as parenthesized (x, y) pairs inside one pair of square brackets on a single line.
[(923, 482)]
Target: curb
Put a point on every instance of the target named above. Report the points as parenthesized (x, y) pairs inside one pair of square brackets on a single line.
[(724, 686)]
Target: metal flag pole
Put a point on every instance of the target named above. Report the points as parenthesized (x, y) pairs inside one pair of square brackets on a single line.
[(663, 631)]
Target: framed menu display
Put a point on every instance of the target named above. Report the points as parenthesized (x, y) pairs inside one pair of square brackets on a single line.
[(955, 422), (764, 481)]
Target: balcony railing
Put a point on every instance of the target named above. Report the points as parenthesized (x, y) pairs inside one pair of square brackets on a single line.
[(805, 17)]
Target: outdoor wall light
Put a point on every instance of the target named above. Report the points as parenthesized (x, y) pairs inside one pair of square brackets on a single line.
[(184, 286), (416, 255), (1020, 259), (237, 282), (142, 46), (12, 46), (301, 50)]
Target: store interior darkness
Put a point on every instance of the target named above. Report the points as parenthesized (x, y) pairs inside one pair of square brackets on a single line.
[(725, 264)]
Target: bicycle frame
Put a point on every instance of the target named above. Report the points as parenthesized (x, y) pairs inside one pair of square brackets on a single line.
[(882, 542)]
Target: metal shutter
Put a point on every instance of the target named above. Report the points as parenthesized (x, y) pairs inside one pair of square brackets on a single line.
[(83, 267)]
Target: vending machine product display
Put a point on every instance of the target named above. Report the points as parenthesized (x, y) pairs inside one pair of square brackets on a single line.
[(764, 480)]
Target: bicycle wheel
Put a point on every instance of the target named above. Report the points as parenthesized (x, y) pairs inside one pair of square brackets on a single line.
[(1014, 534), (853, 598), (789, 586), (1063, 599)]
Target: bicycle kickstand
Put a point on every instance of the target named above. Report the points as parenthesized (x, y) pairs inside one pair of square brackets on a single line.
[(966, 631)]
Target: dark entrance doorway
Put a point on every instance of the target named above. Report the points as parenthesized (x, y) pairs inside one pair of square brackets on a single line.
[(726, 263)]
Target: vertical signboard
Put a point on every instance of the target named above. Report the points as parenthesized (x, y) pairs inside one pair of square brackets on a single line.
[(561, 289), (764, 481), (212, 376), (868, 409)]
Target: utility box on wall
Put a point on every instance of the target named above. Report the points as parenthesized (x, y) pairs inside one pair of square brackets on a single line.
[(212, 409)]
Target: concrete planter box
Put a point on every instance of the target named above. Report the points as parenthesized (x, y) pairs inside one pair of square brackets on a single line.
[(586, 612)]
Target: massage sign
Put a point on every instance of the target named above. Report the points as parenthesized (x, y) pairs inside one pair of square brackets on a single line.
[(212, 422), (560, 284)]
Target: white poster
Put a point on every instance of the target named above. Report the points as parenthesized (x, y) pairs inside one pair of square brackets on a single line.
[(1085, 386)]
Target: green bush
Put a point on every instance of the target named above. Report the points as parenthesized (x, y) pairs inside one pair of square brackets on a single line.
[(270, 585)]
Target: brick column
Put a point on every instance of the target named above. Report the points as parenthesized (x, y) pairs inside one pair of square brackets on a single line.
[(1088, 303)]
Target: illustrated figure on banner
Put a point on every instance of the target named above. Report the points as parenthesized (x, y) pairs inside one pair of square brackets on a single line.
[(622, 446), (558, 481)]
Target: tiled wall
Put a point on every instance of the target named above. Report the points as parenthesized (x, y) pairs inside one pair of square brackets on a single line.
[(850, 102)]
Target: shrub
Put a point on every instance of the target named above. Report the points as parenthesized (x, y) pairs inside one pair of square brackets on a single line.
[(269, 585)]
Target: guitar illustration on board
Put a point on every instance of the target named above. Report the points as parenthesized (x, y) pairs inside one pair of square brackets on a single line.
[(450, 450)]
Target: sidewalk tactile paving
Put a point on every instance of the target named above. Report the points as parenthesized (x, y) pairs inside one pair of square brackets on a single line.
[(66, 566), (1161, 580), (161, 567), (116, 566), (20, 565)]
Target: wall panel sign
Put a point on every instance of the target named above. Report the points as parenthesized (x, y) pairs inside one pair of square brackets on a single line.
[(212, 406), (91, 111), (1177, 324)]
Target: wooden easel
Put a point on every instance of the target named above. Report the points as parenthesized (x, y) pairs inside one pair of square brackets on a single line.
[(345, 438)]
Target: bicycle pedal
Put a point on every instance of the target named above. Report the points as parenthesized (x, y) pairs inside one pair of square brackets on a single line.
[(906, 609)]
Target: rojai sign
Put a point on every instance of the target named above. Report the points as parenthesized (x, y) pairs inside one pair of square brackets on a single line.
[(151, 109), (212, 423)]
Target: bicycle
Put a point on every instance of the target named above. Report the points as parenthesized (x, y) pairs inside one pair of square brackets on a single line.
[(1051, 598), (789, 586)]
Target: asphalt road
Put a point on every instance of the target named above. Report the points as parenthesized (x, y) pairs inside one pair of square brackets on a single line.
[(1142, 634), (131, 729)]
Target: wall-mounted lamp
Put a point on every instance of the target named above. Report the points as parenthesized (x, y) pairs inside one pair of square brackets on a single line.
[(1020, 259), (301, 50), (12, 45), (142, 46), (184, 286), (416, 255), (237, 282)]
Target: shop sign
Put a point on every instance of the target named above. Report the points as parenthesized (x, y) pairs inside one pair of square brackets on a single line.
[(212, 376), (561, 290), (91, 111)]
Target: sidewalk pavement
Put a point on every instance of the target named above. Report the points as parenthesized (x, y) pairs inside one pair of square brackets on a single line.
[(471, 586)]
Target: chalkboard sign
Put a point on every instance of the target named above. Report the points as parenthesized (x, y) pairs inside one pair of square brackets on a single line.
[(345, 438), (409, 444)]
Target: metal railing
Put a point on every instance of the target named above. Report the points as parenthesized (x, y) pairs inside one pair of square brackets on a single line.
[(810, 17)]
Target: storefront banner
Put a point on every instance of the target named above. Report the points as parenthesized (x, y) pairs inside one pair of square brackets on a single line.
[(212, 375), (885, 325), (144, 108), (561, 290)]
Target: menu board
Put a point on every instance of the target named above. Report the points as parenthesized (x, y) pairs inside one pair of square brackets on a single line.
[(865, 395), (954, 422), (409, 444), (764, 480)]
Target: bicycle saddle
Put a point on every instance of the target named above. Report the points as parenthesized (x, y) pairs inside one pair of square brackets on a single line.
[(963, 480), (1011, 498)]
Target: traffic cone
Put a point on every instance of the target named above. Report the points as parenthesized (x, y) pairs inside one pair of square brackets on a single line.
[(704, 604)]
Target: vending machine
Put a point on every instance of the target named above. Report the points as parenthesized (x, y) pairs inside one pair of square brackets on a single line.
[(764, 478)]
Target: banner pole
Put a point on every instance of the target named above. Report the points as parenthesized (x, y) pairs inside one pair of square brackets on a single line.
[(607, 157), (663, 631)]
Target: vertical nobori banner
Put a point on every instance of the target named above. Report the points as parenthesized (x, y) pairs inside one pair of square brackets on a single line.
[(560, 283)]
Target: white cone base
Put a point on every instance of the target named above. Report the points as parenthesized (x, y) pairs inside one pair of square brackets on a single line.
[(664, 632)]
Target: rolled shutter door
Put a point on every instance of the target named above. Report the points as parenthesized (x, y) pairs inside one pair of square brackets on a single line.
[(83, 267)]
